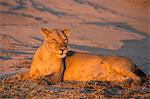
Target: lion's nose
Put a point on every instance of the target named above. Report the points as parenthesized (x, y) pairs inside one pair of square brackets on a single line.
[(62, 49)]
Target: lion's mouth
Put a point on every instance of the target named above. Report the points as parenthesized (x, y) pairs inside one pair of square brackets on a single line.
[(62, 55)]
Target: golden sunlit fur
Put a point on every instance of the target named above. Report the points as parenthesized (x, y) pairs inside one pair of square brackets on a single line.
[(49, 60), (86, 67)]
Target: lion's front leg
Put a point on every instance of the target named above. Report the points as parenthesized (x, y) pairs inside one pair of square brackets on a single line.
[(28, 75), (52, 78), (21, 76)]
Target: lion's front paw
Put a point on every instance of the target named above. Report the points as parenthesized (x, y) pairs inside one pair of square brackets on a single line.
[(126, 83), (136, 82)]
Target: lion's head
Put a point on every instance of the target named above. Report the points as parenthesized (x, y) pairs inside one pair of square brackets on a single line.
[(56, 41)]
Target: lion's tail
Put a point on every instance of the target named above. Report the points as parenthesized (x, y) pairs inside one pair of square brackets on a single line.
[(141, 74)]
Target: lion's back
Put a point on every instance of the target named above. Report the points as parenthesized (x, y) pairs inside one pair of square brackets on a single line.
[(85, 66)]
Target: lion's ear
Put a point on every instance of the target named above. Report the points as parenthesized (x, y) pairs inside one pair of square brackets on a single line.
[(45, 32), (67, 32)]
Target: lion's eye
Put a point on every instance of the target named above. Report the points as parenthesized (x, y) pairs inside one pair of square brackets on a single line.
[(54, 40), (65, 40)]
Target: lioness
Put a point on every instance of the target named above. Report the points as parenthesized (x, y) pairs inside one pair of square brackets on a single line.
[(53, 58), (48, 58)]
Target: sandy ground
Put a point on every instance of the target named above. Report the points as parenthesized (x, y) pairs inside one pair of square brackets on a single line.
[(40, 89), (98, 26)]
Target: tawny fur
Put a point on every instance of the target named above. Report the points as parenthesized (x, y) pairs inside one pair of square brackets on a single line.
[(48, 60), (86, 67)]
